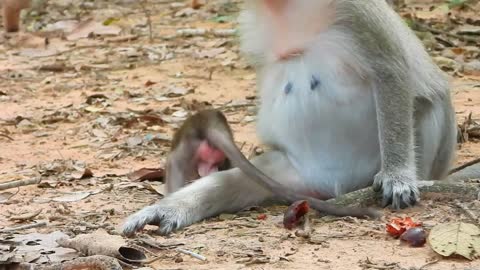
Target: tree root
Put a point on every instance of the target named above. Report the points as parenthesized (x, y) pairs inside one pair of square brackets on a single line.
[(452, 190)]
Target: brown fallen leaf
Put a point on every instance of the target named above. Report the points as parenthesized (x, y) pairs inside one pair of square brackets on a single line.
[(110, 245), (41, 248), (150, 174), (82, 174), (27, 216), (149, 83), (90, 27)]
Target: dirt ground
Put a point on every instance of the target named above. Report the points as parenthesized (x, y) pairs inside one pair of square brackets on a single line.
[(108, 102)]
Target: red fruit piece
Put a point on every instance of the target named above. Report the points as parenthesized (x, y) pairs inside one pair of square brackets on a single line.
[(262, 216), (416, 236), (293, 217), (397, 226)]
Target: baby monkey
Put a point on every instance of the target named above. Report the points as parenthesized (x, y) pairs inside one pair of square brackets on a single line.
[(196, 149), (204, 144)]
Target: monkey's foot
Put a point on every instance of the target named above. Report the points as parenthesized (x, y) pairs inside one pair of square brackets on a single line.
[(399, 189), (168, 219)]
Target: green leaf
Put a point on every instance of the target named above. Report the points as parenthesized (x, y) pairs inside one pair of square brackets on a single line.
[(222, 18), (455, 239), (110, 21)]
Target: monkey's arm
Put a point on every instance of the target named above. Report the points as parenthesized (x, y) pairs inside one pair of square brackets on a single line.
[(394, 99), (226, 191), (397, 176)]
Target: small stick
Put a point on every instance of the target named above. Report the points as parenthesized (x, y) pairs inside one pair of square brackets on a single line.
[(24, 227), (6, 200), (6, 136), (153, 243), (463, 166), (26, 216), (428, 264), (191, 253), (19, 183), (467, 211), (144, 5)]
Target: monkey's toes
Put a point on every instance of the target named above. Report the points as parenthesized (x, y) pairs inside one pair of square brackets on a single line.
[(133, 225), (167, 219), (399, 190)]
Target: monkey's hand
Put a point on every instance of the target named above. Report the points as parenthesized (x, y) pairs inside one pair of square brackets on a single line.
[(399, 188), (166, 216)]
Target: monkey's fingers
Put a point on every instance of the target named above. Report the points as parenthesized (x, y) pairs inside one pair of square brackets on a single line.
[(399, 191), (137, 221), (167, 219)]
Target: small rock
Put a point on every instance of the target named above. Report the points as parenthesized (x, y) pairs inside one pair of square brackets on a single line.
[(446, 63), (226, 217), (472, 68)]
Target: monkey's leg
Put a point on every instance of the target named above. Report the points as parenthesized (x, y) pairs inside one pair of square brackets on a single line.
[(226, 191), (448, 144), (11, 13)]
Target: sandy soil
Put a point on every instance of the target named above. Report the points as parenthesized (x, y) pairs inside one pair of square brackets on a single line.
[(52, 127)]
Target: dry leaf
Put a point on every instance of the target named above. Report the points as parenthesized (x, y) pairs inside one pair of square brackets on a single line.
[(82, 174), (456, 239), (5, 196), (75, 196), (156, 187), (89, 27), (150, 174), (41, 248), (109, 245)]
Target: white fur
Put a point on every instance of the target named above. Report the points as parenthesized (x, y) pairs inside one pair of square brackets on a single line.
[(329, 133), (326, 140)]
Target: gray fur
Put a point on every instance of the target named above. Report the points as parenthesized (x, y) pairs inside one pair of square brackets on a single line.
[(369, 62)]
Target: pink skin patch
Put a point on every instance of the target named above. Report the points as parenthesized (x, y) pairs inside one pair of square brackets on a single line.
[(282, 49), (288, 40), (209, 158)]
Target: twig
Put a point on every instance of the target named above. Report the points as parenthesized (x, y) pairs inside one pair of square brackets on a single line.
[(19, 183), (380, 267), (191, 253), (454, 189), (144, 4), (6, 136), (26, 216), (467, 211), (428, 264), (6, 200), (155, 244), (463, 166), (24, 227)]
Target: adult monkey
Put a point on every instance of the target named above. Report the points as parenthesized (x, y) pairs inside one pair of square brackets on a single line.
[(349, 98)]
